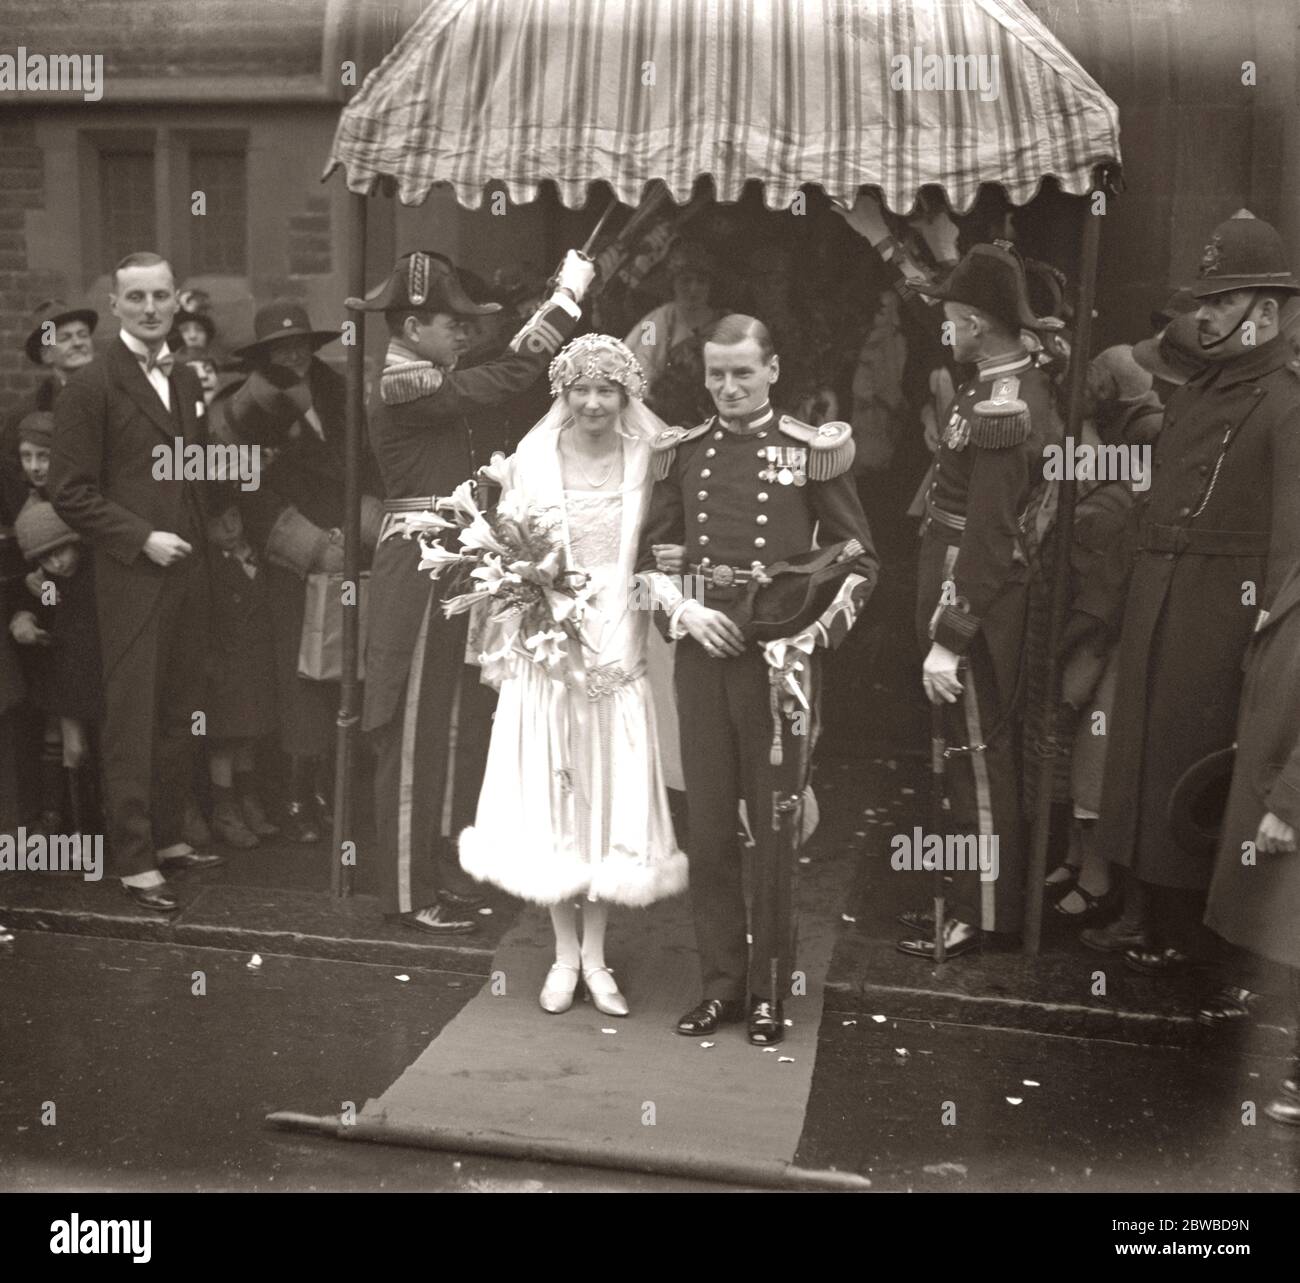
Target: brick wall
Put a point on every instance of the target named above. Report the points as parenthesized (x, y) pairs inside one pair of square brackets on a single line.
[(22, 187), (174, 39)]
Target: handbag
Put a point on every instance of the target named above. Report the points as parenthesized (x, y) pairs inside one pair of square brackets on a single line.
[(320, 652)]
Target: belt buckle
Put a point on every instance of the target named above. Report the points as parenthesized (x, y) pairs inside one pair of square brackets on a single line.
[(722, 576)]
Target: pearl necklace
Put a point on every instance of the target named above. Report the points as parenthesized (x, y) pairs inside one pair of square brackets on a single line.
[(609, 472)]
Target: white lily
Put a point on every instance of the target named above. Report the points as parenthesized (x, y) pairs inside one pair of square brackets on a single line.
[(546, 647), (435, 558), (492, 575), (478, 534), (497, 471), (462, 503)]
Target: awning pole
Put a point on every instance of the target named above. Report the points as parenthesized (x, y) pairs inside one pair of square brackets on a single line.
[(1080, 349), (341, 874)]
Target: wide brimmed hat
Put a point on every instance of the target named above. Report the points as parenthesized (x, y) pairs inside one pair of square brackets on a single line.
[(1174, 354), (1130, 380), (1178, 303), (282, 319), (1243, 253), (992, 279), (425, 281), (56, 312), (40, 530), (1199, 801)]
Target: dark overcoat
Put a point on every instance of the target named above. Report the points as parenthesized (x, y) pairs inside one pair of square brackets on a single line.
[(1217, 532), (241, 655), (1257, 905)]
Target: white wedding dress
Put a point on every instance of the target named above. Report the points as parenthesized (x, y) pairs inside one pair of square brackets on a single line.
[(573, 800)]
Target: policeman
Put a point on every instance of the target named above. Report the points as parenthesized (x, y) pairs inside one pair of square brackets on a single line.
[(744, 491), (972, 583), (426, 713), (1219, 530)]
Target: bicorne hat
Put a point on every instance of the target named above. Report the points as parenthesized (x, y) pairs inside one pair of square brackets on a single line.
[(423, 280), (799, 591), (1200, 799), (1243, 253), (992, 279)]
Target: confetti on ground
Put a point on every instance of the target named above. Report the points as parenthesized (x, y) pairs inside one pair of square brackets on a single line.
[(1015, 1100), (847, 917), (848, 1022), (609, 1031), (771, 1051), (804, 859), (403, 979), (255, 961), (907, 792), (859, 833), (1029, 1082), (946, 1169), (785, 1060), (789, 1024), (880, 1020), (486, 912), (707, 1045), (900, 1051)]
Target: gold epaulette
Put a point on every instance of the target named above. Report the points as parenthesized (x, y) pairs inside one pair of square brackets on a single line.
[(830, 446), (1003, 420), (409, 382), (663, 449)]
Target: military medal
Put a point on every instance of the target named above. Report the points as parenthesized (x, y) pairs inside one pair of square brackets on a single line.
[(957, 433), (785, 476)]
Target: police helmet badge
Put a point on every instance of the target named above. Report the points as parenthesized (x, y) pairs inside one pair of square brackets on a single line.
[(1212, 255)]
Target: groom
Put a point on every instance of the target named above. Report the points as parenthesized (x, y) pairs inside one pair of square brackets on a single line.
[(744, 491)]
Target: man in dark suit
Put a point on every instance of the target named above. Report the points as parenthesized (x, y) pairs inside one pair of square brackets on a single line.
[(147, 531)]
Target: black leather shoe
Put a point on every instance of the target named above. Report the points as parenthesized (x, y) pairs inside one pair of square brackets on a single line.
[(191, 860), (1121, 936), (709, 1014), (1156, 962), (766, 1023), (157, 898), (462, 901), (437, 920), (1226, 1007), (959, 938)]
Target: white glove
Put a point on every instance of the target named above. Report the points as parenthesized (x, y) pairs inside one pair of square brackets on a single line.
[(576, 275), (939, 675), (866, 217), (785, 657)]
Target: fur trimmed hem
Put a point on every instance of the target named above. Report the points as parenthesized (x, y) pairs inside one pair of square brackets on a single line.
[(546, 877)]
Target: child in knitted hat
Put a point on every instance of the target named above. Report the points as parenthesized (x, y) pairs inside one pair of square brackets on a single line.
[(62, 619), (35, 435)]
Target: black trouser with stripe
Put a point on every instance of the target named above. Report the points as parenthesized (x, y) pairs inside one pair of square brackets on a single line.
[(417, 822), (726, 736)]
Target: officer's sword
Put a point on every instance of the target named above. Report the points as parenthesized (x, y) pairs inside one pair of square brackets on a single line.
[(938, 825)]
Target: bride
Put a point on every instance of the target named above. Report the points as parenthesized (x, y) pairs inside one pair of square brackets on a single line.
[(573, 802)]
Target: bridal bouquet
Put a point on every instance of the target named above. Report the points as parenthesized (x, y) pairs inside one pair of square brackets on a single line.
[(512, 559)]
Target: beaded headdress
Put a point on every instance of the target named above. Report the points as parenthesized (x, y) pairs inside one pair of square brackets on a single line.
[(598, 356)]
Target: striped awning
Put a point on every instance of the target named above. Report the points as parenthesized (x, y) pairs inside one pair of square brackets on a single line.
[(893, 94)]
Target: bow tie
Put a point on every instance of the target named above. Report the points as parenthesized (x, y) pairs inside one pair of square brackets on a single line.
[(163, 363)]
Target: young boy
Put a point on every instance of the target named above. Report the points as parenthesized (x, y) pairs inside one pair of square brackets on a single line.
[(61, 619), (241, 677)]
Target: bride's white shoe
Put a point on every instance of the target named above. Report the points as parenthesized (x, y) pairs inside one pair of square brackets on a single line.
[(608, 1000), (561, 983)]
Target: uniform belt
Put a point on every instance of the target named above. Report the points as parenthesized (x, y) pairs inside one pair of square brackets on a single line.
[(948, 519), (1204, 543), (722, 576), (421, 503)]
